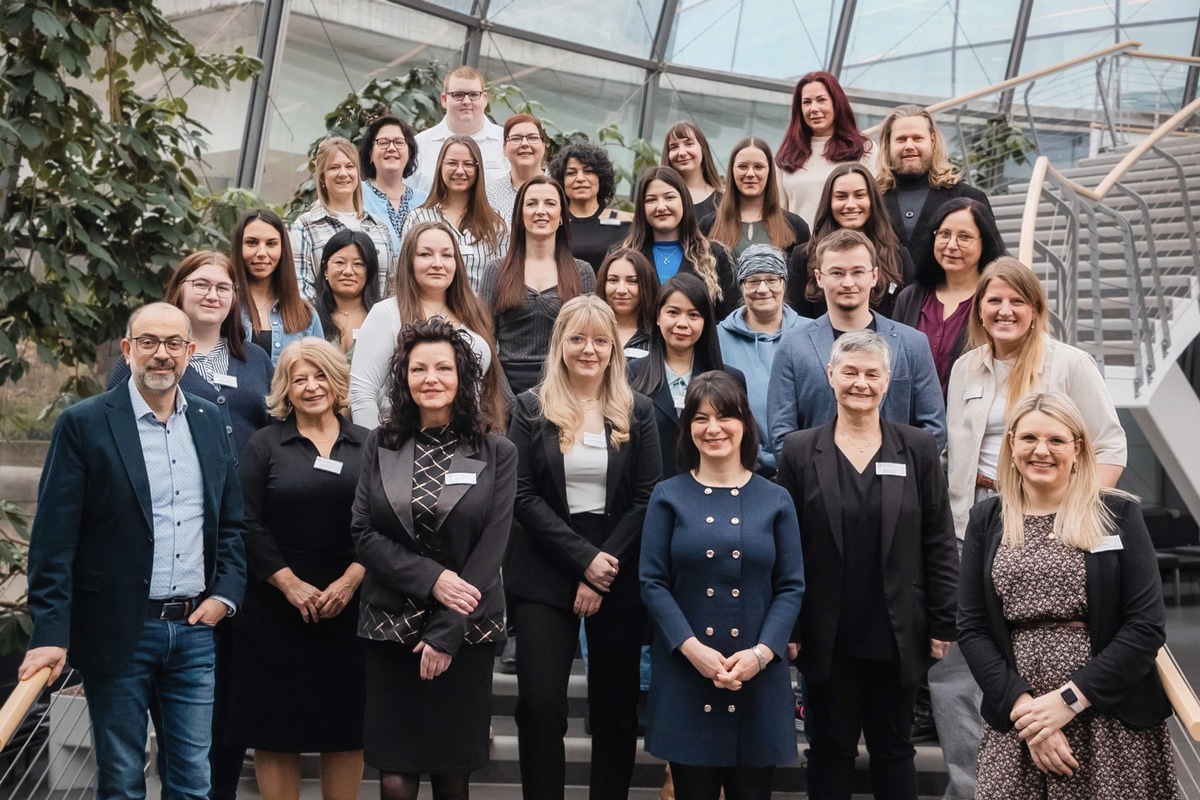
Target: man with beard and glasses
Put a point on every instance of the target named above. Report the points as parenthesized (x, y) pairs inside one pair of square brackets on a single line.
[(136, 553), (915, 175)]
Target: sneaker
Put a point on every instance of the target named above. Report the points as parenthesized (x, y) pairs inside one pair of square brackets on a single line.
[(800, 718)]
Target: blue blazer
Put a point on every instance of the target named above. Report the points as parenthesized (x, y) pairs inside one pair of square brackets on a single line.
[(726, 567), (799, 396), (92, 546)]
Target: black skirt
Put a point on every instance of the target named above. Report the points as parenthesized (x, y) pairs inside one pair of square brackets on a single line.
[(438, 726)]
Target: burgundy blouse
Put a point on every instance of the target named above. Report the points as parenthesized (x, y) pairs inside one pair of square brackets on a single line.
[(942, 333)]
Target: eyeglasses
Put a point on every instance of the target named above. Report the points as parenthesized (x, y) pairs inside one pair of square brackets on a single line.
[(202, 287), (342, 265), (529, 138), (468, 166), (580, 341), (1029, 441), (460, 96), (772, 282), (943, 236), (839, 275), (388, 144), (148, 345)]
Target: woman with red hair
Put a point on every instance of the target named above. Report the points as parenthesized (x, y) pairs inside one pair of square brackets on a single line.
[(823, 132)]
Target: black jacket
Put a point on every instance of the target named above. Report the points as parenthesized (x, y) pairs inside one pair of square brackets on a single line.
[(731, 293), (1126, 619), (920, 242)]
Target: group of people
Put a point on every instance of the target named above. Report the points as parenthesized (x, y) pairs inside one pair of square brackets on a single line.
[(463, 398)]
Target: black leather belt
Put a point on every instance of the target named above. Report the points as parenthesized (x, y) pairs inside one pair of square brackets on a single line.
[(172, 608)]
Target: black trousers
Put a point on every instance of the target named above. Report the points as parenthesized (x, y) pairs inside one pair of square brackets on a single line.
[(549, 636), (706, 783), (861, 696)]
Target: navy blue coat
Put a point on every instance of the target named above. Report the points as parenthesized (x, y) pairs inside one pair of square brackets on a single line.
[(725, 566)]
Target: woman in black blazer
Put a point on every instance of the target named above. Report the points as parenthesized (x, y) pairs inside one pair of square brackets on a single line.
[(431, 523), (880, 568), (587, 453), (1060, 620), (683, 344)]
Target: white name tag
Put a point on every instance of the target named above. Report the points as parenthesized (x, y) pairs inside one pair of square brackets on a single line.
[(354, 333), (225, 380), (460, 478), (1107, 543), (595, 440), (891, 288), (610, 221), (678, 401), (891, 468), (974, 393), (328, 465), (636, 352)]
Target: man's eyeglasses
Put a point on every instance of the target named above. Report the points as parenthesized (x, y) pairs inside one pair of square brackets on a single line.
[(148, 345), (202, 287), (858, 273), (460, 96)]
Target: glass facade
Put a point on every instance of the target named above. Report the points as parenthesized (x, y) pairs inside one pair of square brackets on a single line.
[(641, 64)]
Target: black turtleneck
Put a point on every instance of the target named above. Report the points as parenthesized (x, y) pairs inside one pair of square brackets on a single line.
[(911, 191)]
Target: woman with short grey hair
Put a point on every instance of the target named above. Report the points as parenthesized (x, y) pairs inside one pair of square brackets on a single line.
[(867, 342)]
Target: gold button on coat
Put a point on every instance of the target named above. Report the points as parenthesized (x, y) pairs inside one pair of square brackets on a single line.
[(732, 709), (707, 490), (735, 593), (737, 553), (710, 554), (710, 592), (735, 520), (709, 631), (709, 520), (707, 708), (734, 492), (734, 633)]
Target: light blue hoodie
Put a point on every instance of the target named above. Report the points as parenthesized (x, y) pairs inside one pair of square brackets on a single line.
[(752, 352)]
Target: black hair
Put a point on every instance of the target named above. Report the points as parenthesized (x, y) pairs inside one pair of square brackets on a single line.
[(365, 166), (929, 272), (325, 302), (727, 398), (592, 156), (706, 353)]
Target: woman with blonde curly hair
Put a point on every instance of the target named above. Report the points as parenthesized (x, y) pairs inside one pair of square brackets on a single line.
[(587, 461), (297, 627)]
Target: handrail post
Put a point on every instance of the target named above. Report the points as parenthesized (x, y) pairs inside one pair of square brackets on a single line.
[(1103, 94), (1185, 198), (1155, 273), (1037, 144)]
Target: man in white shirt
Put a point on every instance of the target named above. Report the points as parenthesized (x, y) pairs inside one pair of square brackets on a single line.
[(465, 100)]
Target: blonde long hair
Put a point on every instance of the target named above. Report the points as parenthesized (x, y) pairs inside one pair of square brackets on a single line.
[(1083, 518), (1028, 365), (942, 173), (322, 355), (589, 315)]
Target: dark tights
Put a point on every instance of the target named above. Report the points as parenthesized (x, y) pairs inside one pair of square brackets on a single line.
[(406, 785), (706, 783)]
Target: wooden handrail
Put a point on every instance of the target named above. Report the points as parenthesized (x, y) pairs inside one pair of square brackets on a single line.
[(12, 714), (1033, 199), (1025, 78), (1164, 57), (1179, 692), (1143, 146)]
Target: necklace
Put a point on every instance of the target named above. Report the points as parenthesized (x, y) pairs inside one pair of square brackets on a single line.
[(441, 312), (862, 448), (588, 402)]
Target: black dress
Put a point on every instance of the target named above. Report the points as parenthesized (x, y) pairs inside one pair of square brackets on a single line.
[(298, 687), (592, 237)]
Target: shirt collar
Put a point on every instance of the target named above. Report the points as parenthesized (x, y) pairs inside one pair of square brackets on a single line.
[(141, 408)]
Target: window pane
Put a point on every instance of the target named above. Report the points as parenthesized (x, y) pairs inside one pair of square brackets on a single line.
[(626, 26)]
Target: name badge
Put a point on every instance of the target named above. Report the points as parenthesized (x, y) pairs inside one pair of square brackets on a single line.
[(891, 468), (225, 380), (328, 465), (354, 333), (1107, 543), (460, 478), (636, 352), (974, 393), (610, 220), (595, 440), (891, 288), (678, 401)]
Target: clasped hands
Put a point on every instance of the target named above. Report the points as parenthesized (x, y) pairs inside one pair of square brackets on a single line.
[(1039, 722), (316, 604), (726, 672)]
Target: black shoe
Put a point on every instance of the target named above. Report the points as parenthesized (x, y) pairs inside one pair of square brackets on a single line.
[(508, 658)]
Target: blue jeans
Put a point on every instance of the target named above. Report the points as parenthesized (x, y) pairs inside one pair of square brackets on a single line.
[(173, 664)]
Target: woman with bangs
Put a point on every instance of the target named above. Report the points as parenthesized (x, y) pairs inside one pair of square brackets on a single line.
[(528, 287), (431, 282), (629, 285), (822, 133), (273, 312), (666, 231), (587, 461), (749, 211), (850, 200), (685, 148), (459, 199), (1061, 618), (348, 288), (339, 205)]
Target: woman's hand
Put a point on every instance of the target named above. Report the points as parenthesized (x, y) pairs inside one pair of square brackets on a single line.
[(602, 571), (709, 663), (1053, 755), (337, 595), (743, 665), (302, 595), (793, 651), (587, 600), (455, 593), (433, 661), (1038, 717), (938, 649)]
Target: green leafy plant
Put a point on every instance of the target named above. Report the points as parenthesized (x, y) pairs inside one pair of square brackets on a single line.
[(991, 146)]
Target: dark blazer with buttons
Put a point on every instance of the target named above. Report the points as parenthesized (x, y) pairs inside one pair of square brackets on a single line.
[(666, 416), (473, 520), (1126, 620), (548, 557), (91, 551), (916, 536), (725, 566)]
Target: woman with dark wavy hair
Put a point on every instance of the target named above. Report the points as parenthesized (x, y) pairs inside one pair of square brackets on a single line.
[(823, 132), (348, 286), (431, 521), (388, 153), (586, 174)]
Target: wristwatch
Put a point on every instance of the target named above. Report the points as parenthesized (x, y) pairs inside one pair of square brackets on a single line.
[(1071, 699)]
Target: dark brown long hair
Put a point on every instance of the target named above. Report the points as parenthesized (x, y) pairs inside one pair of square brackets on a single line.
[(510, 283), (295, 311), (480, 220), (708, 165), (647, 279), (847, 142), (231, 326), (727, 227)]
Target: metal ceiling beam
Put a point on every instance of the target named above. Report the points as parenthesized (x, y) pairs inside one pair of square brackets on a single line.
[(1193, 73), (271, 34), (658, 61), (1015, 53), (841, 39)]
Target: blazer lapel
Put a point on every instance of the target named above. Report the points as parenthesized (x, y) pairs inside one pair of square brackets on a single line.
[(554, 461), (665, 403), (827, 477), (892, 494), (933, 201), (460, 464), (129, 444), (616, 466), (396, 474)]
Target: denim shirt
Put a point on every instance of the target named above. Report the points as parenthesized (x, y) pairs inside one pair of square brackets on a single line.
[(279, 338)]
